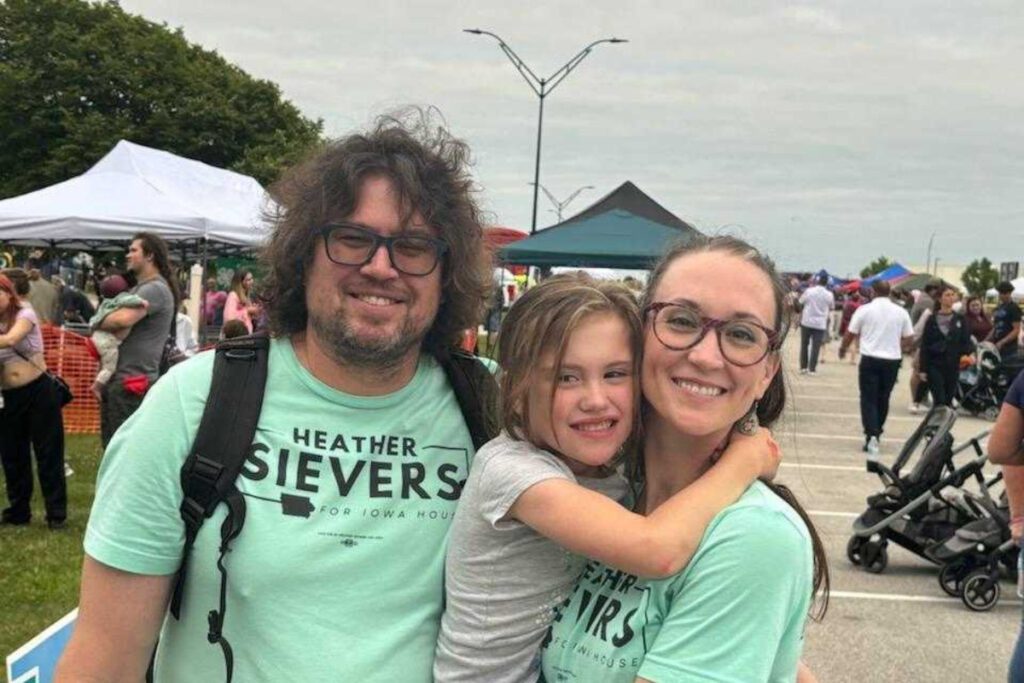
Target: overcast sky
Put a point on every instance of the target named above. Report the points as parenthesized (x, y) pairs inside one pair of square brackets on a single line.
[(827, 133)]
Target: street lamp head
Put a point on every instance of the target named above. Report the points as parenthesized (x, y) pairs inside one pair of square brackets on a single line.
[(618, 40), (472, 30)]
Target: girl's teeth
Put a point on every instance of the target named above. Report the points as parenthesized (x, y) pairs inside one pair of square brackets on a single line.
[(595, 426), (700, 389)]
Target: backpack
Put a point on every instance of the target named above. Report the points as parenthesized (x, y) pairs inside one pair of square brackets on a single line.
[(225, 434)]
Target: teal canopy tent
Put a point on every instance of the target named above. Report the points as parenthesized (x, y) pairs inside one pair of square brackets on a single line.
[(625, 229)]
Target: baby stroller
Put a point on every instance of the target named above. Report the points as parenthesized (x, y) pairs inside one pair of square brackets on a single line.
[(983, 384), (971, 558), (912, 510)]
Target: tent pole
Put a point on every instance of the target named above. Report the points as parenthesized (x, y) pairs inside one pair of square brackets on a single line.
[(204, 257)]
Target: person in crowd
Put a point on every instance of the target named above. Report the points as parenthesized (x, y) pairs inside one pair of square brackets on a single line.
[(1006, 318), (367, 295), (139, 356), (854, 301), (31, 418), (492, 319), (75, 305), (923, 304), (925, 300), (816, 303), (213, 308), (114, 290), (185, 333), (945, 338), (546, 485), (835, 317), (239, 304), (714, 320), (1006, 448), (19, 278), (978, 321), (884, 332), (43, 297), (233, 329)]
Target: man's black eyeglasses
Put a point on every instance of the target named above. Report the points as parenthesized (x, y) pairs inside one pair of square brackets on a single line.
[(348, 244)]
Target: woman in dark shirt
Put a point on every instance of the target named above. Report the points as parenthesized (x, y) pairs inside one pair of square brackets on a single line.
[(977, 322), (946, 337)]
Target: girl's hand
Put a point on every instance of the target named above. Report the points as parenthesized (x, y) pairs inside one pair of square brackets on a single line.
[(759, 448)]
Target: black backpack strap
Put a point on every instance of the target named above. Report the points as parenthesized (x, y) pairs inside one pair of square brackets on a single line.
[(476, 391), (221, 445)]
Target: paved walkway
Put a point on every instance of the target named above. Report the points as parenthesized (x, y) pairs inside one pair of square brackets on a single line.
[(897, 626)]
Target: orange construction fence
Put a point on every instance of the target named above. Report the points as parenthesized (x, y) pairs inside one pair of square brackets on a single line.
[(68, 355)]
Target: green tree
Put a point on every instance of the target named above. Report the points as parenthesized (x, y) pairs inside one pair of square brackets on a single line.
[(979, 277), (76, 77), (876, 266)]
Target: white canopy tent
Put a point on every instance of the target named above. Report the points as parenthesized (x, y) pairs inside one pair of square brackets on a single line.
[(1018, 290), (137, 188)]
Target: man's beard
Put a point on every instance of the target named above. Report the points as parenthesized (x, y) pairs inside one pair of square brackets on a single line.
[(347, 348)]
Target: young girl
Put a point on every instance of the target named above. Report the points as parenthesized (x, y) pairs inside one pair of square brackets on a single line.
[(543, 496)]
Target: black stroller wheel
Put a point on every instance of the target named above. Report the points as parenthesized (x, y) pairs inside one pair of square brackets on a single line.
[(951, 578), (980, 590), (875, 556), (853, 549)]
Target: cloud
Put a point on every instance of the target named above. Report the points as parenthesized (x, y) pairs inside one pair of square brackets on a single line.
[(832, 132)]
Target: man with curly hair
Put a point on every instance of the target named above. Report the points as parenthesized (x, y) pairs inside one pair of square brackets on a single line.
[(376, 265)]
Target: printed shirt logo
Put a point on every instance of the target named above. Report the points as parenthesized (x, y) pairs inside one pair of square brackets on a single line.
[(356, 477)]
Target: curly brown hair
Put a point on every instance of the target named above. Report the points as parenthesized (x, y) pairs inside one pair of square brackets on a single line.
[(428, 169)]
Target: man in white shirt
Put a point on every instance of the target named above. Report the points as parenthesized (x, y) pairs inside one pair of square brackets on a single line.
[(816, 303), (885, 332)]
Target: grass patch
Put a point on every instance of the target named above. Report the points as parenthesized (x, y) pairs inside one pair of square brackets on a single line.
[(39, 568)]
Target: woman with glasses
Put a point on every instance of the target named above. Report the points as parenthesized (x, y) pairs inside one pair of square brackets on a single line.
[(713, 324)]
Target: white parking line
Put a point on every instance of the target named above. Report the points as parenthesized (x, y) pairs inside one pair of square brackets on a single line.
[(829, 437), (833, 513), (800, 413), (807, 397), (810, 466), (898, 597)]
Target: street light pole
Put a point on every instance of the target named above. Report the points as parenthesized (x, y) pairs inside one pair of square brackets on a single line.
[(541, 87), (560, 206), (928, 258)]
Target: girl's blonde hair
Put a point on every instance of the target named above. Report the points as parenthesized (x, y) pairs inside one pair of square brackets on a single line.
[(541, 322)]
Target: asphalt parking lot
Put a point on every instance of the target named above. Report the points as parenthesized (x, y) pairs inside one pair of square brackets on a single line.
[(898, 625)]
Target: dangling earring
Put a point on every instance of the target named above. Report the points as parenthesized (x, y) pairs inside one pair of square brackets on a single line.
[(748, 424)]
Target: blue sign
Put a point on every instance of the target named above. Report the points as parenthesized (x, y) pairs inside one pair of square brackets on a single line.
[(36, 660)]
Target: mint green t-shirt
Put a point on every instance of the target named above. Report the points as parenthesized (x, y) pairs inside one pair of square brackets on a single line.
[(735, 614), (338, 572)]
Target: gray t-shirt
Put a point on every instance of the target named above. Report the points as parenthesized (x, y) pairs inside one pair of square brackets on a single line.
[(142, 348), (503, 580)]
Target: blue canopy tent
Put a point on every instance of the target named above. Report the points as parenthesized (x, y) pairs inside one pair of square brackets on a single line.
[(833, 281), (893, 273)]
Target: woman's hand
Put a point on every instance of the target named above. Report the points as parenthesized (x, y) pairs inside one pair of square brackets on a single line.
[(759, 448)]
